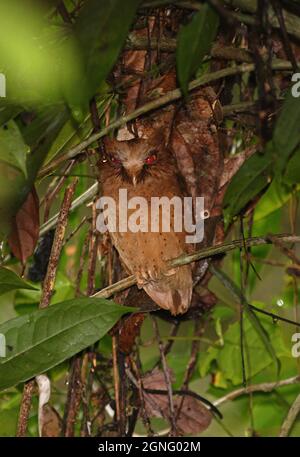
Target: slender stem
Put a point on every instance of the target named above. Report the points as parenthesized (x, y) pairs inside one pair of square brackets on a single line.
[(169, 97), (263, 387), (201, 254), (290, 418), (83, 198), (49, 280), (25, 408), (170, 45)]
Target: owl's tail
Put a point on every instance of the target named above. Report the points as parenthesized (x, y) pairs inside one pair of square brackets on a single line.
[(172, 292)]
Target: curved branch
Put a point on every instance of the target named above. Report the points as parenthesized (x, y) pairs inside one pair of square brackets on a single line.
[(169, 97), (263, 387), (201, 254), (290, 418)]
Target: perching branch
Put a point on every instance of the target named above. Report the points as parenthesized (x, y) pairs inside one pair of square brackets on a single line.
[(201, 254), (170, 45), (169, 97)]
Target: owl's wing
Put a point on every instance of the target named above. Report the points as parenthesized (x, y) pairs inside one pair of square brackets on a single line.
[(146, 256)]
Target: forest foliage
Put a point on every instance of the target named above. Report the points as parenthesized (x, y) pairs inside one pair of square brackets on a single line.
[(62, 97)]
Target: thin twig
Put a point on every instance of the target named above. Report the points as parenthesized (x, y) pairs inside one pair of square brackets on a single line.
[(83, 198), (263, 387), (274, 316), (170, 97), (170, 44), (73, 397), (25, 408), (201, 254), (167, 377), (286, 251), (285, 38), (116, 377), (290, 418), (49, 280)]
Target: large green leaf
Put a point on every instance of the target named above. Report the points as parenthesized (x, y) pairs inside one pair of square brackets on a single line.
[(11, 281), (40, 59), (260, 330), (194, 42), (43, 339), (14, 186), (228, 357), (292, 173), (252, 178), (13, 149), (101, 30), (287, 132)]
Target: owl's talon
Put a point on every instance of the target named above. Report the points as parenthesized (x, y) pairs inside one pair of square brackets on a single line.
[(170, 272)]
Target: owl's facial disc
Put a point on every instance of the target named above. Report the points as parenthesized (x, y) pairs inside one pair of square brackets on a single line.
[(132, 159)]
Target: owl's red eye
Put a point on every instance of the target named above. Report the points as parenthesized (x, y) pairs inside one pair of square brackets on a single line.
[(151, 159)]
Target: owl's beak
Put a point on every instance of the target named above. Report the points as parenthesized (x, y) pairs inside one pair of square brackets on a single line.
[(133, 169), (133, 173), (134, 180)]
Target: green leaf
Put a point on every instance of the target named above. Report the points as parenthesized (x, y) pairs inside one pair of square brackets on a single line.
[(263, 334), (268, 224), (13, 149), (253, 176), (194, 42), (287, 132), (14, 186), (255, 321), (43, 339), (226, 360), (101, 30), (274, 198), (39, 58), (8, 421), (229, 357), (11, 281), (292, 173)]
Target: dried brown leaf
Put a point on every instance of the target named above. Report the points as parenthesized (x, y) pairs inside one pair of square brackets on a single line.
[(51, 423), (193, 417), (129, 330), (25, 228)]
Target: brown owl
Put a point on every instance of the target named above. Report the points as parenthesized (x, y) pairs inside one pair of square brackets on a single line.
[(146, 168)]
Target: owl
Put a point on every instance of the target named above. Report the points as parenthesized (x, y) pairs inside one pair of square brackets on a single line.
[(146, 168)]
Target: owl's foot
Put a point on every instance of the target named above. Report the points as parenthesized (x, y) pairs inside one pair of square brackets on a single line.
[(148, 276)]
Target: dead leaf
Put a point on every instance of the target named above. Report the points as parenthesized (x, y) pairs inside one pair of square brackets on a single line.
[(51, 423), (156, 405), (25, 228), (193, 418), (129, 330)]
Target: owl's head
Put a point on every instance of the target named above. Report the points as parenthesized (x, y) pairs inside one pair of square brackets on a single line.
[(136, 159)]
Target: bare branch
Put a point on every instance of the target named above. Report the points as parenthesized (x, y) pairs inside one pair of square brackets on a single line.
[(201, 254), (290, 418), (263, 387)]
